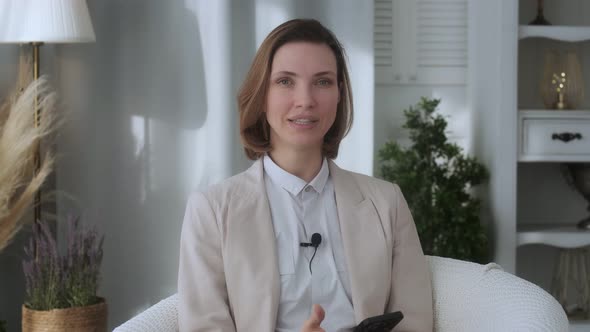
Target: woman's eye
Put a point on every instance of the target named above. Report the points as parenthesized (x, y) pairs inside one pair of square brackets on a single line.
[(324, 82), (284, 81)]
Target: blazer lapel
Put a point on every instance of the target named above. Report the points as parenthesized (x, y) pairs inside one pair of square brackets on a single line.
[(252, 255), (364, 244)]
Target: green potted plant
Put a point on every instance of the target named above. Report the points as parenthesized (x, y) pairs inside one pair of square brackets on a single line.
[(437, 178), (61, 289)]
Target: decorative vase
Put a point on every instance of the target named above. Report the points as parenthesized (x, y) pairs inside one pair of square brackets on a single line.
[(92, 318), (574, 92), (551, 66)]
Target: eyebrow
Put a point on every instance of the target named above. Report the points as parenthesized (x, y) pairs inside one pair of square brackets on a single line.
[(290, 73)]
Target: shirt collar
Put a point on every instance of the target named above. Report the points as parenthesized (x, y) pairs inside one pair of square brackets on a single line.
[(292, 183)]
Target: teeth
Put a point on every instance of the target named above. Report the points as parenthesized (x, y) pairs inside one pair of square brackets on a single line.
[(302, 121)]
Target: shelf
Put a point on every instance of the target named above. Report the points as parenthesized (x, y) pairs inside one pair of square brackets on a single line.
[(552, 114), (563, 33), (552, 159), (566, 236), (579, 326)]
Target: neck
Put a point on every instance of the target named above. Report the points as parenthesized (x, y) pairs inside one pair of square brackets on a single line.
[(303, 164)]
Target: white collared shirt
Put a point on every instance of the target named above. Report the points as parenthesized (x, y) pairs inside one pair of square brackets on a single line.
[(298, 210)]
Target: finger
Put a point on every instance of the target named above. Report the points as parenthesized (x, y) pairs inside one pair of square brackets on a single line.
[(317, 315), (315, 319)]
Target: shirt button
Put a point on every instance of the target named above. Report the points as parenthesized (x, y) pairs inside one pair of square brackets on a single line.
[(307, 189)]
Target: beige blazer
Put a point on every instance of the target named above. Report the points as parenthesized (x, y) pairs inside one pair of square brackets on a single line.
[(228, 277)]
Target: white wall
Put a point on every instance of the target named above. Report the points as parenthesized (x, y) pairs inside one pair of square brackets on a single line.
[(492, 96), (150, 120), (352, 22), (152, 116)]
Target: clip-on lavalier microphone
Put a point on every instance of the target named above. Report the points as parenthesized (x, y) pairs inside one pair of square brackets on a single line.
[(316, 239)]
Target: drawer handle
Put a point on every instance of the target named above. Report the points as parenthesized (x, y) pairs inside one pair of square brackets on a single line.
[(566, 137)]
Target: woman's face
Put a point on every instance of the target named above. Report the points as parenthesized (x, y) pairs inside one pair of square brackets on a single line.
[(303, 96)]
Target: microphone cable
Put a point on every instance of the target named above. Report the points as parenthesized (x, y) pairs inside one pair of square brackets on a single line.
[(316, 239)]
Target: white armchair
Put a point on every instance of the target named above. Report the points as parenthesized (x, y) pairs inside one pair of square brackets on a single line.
[(467, 297)]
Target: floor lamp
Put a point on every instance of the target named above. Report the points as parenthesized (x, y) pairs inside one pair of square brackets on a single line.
[(44, 22)]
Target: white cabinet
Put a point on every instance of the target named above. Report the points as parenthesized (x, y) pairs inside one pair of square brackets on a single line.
[(420, 42)]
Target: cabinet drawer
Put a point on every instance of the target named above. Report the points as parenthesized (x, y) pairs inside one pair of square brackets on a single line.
[(555, 140)]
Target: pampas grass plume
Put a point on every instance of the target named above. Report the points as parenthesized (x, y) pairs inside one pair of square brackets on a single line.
[(19, 139)]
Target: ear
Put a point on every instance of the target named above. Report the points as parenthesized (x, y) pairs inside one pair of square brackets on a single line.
[(339, 91)]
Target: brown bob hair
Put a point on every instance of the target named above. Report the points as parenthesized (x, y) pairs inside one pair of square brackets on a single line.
[(254, 129)]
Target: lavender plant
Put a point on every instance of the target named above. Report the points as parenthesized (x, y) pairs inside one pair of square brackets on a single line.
[(82, 265), (57, 281), (43, 273)]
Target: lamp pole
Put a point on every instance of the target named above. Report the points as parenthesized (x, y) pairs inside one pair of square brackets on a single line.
[(37, 119)]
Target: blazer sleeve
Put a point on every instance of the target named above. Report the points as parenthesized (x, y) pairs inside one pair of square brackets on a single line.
[(203, 298), (411, 290)]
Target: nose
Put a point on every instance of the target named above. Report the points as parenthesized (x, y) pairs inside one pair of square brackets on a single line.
[(304, 97)]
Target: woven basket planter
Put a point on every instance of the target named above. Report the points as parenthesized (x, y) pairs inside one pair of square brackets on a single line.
[(92, 318)]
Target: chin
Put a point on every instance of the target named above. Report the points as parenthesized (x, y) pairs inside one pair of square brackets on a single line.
[(308, 145)]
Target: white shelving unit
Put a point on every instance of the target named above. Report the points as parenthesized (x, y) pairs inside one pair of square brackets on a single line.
[(528, 203), (562, 33), (539, 142), (561, 236)]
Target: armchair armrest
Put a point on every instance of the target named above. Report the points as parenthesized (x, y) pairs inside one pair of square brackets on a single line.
[(161, 317), (475, 297)]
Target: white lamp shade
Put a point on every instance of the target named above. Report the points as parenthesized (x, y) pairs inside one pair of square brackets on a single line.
[(47, 21)]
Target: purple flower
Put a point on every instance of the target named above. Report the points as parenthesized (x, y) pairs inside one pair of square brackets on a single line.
[(54, 280)]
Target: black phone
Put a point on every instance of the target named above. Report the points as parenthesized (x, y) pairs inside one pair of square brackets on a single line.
[(381, 323)]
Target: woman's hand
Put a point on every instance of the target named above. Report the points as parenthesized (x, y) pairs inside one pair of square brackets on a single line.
[(312, 324)]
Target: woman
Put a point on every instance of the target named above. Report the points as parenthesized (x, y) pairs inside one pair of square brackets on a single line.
[(247, 261)]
